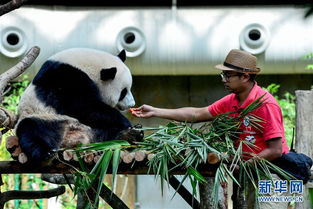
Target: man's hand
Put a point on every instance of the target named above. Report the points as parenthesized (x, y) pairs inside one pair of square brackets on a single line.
[(145, 111)]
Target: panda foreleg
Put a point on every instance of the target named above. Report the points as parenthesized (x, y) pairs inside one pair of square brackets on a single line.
[(115, 126), (132, 134)]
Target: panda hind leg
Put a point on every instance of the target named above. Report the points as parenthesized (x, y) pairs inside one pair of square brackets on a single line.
[(38, 138), (75, 134), (41, 136)]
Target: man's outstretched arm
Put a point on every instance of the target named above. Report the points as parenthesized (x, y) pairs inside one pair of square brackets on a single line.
[(185, 114)]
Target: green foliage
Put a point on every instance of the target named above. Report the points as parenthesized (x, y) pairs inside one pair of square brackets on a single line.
[(288, 106), (309, 56), (13, 93)]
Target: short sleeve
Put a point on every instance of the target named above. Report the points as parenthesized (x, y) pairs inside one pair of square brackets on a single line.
[(219, 106), (273, 121)]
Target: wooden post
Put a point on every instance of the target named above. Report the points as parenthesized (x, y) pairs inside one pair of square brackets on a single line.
[(304, 134), (206, 192)]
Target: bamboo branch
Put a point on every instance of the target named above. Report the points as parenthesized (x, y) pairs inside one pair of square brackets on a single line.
[(10, 6)]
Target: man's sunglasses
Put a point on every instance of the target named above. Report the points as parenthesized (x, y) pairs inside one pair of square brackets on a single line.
[(226, 77)]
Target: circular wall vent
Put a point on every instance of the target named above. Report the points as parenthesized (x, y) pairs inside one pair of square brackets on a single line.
[(13, 42), (254, 38), (132, 40)]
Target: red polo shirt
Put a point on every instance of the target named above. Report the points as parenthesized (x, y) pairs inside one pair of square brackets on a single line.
[(270, 112)]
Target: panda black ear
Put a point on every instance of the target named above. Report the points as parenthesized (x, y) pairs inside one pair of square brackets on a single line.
[(122, 55), (107, 74)]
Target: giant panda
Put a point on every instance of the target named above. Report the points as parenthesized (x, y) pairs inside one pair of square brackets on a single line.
[(75, 98)]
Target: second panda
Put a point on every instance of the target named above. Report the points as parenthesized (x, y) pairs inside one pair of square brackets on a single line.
[(75, 98)]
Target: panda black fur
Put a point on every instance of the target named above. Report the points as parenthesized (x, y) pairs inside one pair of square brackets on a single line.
[(74, 99)]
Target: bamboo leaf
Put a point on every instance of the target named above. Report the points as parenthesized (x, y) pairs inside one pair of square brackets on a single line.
[(115, 164), (192, 171), (103, 169)]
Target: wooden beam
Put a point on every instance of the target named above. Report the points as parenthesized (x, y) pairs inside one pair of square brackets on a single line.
[(139, 168)]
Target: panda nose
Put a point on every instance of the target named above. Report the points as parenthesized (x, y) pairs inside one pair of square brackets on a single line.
[(129, 100), (132, 103)]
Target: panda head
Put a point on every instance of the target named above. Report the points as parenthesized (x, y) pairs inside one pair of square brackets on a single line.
[(110, 74)]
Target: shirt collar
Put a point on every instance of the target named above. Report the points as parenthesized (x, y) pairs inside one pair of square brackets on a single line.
[(251, 97)]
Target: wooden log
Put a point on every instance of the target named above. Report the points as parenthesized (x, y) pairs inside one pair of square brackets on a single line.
[(140, 155), (128, 157), (22, 158), (150, 156), (68, 155), (75, 157), (96, 158), (213, 158), (88, 157)]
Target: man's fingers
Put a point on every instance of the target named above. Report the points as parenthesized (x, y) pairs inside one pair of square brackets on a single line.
[(136, 111), (140, 112)]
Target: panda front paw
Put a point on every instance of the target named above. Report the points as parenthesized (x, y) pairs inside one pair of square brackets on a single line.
[(132, 134)]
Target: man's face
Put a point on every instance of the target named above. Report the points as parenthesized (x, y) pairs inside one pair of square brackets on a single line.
[(232, 81)]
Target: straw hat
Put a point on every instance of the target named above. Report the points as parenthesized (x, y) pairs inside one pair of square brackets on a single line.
[(240, 61)]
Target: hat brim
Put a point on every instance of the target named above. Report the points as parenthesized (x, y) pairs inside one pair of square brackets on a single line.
[(223, 67)]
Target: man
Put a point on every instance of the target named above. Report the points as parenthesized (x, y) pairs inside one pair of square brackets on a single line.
[(238, 76)]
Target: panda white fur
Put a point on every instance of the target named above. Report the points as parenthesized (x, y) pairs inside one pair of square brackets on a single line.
[(74, 99)]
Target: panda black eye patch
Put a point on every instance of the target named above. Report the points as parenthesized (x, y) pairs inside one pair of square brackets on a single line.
[(108, 73), (123, 94)]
